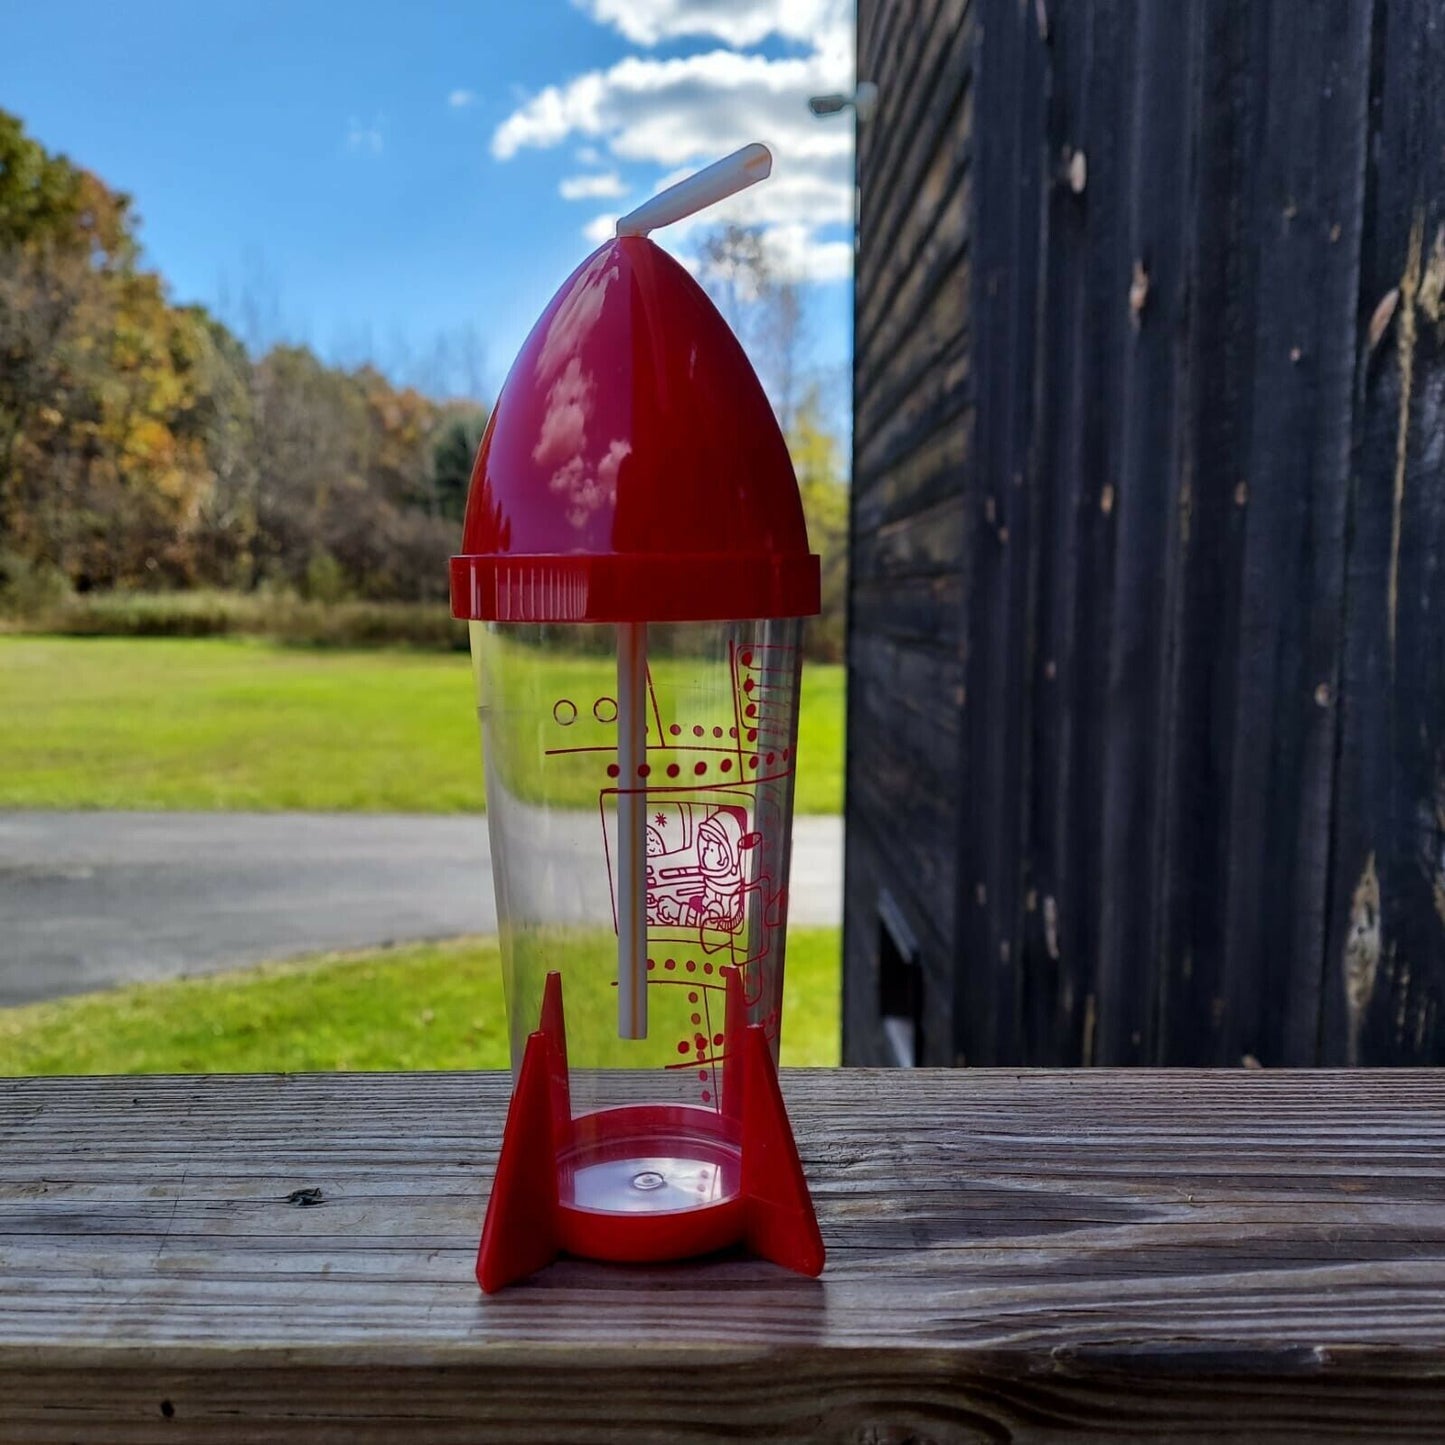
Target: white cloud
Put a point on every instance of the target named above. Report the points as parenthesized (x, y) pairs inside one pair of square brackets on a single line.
[(600, 228), (675, 111), (680, 113), (365, 139), (738, 22), (589, 156), (587, 188), (799, 253), (461, 99)]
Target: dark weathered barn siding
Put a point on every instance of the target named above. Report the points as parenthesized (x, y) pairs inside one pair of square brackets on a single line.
[(1147, 715), (911, 519)]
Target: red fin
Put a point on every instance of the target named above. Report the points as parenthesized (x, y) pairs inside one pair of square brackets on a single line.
[(553, 1025), (520, 1234), (781, 1224)]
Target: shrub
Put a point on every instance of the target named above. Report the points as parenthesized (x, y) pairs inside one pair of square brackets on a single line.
[(325, 578), (280, 615), (29, 589)]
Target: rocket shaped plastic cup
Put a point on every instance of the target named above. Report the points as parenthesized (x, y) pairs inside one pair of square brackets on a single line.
[(635, 569)]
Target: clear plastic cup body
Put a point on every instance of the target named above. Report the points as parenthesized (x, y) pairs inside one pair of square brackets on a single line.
[(702, 801)]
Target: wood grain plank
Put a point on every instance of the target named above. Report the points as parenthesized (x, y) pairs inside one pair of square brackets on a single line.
[(1008, 251), (942, 395), (931, 472), (1216, 395), (914, 389), (897, 53), (870, 861), (1155, 233), (912, 225), (1023, 1255), (1384, 977), (1308, 205), (1058, 949), (924, 76), (1184, 473)]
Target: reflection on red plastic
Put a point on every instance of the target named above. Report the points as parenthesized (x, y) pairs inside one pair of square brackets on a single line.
[(633, 469)]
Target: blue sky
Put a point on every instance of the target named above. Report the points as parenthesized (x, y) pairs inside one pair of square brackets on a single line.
[(387, 182)]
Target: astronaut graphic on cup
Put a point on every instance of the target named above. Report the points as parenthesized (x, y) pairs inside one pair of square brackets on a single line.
[(697, 865)]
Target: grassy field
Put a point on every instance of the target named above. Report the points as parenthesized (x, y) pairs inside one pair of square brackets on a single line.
[(421, 1006), (226, 723)]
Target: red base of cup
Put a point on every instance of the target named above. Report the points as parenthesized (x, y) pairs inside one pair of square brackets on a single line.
[(646, 1182), (626, 1166)]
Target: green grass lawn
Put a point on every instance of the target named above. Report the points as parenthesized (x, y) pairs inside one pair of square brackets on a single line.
[(228, 723), (420, 1006)]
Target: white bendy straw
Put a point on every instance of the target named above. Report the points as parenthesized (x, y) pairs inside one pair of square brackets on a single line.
[(724, 178), (631, 831), (744, 168)]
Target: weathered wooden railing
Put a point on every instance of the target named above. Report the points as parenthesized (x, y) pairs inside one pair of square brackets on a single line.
[(1011, 1255)]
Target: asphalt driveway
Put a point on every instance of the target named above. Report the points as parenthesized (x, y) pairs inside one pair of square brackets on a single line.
[(89, 900)]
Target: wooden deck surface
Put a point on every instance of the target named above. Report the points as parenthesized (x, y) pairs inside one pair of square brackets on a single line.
[(1012, 1256)]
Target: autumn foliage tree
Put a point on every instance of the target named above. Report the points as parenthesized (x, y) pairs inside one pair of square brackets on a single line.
[(141, 446), (763, 305)]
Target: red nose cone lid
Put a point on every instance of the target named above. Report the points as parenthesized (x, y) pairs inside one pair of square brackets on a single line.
[(632, 469)]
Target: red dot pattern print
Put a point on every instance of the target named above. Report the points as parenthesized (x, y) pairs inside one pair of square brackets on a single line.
[(696, 755)]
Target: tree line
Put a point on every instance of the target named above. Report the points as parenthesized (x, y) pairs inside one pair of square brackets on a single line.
[(143, 447)]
